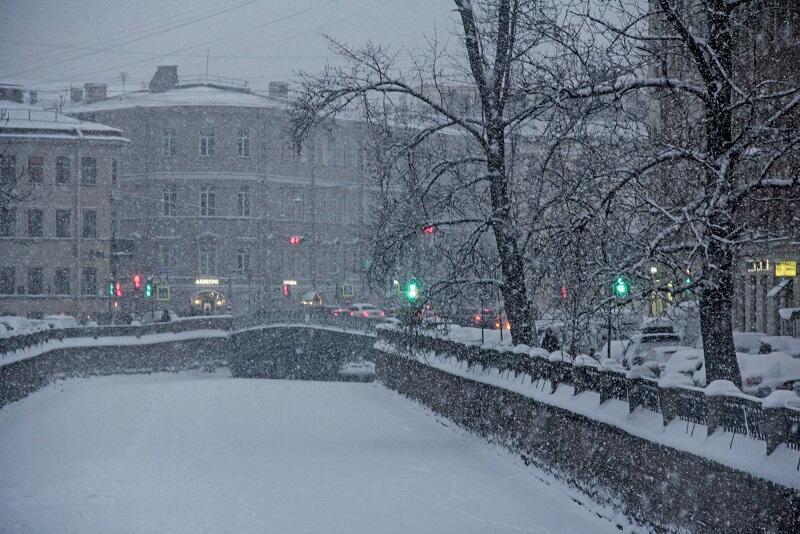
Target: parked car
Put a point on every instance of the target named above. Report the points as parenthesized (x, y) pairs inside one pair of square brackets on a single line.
[(60, 321), (157, 316), (366, 311), (339, 312), (656, 341)]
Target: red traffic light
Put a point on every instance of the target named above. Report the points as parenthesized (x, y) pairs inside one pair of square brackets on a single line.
[(118, 289), (286, 291), (295, 240), (137, 281), (564, 292), (429, 229)]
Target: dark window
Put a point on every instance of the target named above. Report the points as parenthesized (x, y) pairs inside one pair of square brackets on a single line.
[(207, 201), (89, 281), (208, 257), (168, 142), (207, 142), (36, 169), (113, 171), (35, 223), (8, 222), (89, 228), (63, 228), (63, 170), (170, 197), (244, 202), (7, 280), (8, 169), (35, 281), (243, 143), (61, 281), (89, 171)]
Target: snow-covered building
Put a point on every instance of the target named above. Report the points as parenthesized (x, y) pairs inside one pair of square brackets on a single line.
[(213, 193), (57, 174)]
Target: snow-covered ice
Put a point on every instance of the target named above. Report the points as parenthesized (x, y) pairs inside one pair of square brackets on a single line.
[(207, 453)]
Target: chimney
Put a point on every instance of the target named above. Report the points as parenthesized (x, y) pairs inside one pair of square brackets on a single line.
[(75, 94), (279, 90), (93, 92), (165, 78)]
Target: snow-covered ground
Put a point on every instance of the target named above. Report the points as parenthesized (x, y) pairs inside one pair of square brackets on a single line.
[(206, 453)]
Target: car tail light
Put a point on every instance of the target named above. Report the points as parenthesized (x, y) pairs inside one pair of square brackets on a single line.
[(383, 314), (364, 314), (352, 314), (477, 318)]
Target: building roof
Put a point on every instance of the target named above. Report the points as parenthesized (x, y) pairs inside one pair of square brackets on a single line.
[(23, 121), (182, 95)]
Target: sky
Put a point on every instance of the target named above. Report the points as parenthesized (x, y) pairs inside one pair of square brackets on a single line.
[(52, 44)]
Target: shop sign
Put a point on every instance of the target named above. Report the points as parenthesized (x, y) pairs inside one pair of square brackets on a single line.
[(290, 282), (786, 269), (758, 266), (206, 282)]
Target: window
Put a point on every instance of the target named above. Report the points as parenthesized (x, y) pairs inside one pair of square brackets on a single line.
[(170, 197), (63, 170), (113, 171), (243, 205), (89, 281), (89, 228), (36, 169), (35, 281), (208, 257), (243, 143), (207, 201), (297, 206), (8, 280), (8, 169), (168, 142), (207, 142), (35, 223), (89, 171), (114, 224), (61, 281), (63, 228), (167, 258), (243, 261), (8, 222)]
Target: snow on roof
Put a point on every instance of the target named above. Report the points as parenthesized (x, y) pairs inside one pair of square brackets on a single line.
[(191, 95), (20, 120)]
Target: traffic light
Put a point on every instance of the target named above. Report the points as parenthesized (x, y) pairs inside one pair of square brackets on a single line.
[(137, 282), (429, 229), (118, 289), (111, 291), (622, 287), (285, 289), (412, 291), (148, 288), (295, 240)]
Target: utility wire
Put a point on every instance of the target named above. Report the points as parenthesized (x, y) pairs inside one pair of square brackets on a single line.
[(140, 38), (233, 34)]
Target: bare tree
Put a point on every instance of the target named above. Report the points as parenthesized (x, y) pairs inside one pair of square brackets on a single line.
[(724, 135), (497, 60)]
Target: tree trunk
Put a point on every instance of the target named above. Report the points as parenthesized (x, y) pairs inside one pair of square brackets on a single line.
[(514, 290), (716, 324)]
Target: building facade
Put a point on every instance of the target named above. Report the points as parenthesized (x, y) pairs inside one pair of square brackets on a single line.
[(57, 175), (217, 205)]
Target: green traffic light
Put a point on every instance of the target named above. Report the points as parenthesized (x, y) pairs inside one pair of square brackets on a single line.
[(621, 287), (412, 291), (148, 289)]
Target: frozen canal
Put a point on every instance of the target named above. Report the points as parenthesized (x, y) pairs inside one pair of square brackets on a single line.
[(183, 453)]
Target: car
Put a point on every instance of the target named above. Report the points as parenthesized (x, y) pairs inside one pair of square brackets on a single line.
[(656, 341), (60, 321), (366, 311)]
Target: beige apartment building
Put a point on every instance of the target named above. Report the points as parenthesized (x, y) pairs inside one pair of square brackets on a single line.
[(56, 175)]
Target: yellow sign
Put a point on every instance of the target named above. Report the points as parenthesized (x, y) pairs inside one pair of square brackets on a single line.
[(786, 268)]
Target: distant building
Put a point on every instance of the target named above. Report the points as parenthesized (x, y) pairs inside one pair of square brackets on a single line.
[(56, 177), (212, 193)]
